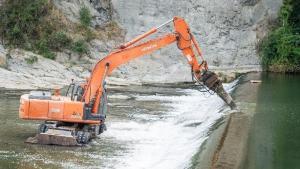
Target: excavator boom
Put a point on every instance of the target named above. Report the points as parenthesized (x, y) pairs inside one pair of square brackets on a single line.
[(80, 114), (182, 36)]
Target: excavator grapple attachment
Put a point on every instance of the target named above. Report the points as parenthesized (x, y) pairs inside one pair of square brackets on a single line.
[(212, 82)]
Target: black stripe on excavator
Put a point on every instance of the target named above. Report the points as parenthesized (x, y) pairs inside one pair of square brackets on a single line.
[(102, 109), (88, 115)]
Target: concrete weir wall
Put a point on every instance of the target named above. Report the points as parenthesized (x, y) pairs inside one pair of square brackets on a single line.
[(228, 32), (227, 145)]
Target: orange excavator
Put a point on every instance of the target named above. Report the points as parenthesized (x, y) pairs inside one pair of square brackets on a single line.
[(80, 115)]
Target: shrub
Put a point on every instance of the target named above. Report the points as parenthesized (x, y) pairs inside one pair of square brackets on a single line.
[(36, 25), (80, 47), (85, 17), (58, 41), (31, 59), (20, 19), (281, 48), (43, 49), (48, 54)]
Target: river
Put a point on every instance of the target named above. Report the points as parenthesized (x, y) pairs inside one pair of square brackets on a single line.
[(148, 127), (275, 135)]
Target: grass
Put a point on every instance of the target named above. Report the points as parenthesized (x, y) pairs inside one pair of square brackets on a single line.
[(85, 17), (80, 47), (31, 59)]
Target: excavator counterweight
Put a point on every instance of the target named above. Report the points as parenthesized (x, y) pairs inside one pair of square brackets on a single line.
[(80, 115)]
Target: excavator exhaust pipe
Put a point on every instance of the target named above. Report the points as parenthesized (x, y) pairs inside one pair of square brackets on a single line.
[(212, 82)]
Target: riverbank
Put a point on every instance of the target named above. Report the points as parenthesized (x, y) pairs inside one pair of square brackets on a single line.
[(227, 145)]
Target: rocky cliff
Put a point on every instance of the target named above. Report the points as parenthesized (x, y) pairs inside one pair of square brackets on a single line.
[(228, 32)]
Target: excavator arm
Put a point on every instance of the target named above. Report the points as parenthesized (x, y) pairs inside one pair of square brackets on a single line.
[(128, 51)]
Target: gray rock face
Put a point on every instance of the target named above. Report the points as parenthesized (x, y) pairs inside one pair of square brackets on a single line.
[(3, 60), (249, 2), (227, 30), (101, 10), (44, 73), (3, 57)]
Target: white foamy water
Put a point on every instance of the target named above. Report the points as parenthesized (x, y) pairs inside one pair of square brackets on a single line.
[(171, 141)]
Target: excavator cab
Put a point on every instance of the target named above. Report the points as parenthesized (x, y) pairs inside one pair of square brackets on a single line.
[(75, 91), (65, 121)]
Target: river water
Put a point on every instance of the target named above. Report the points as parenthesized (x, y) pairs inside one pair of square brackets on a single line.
[(275, 135), (148, 127)]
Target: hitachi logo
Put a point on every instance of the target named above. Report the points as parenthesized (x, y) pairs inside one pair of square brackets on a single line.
[(55, 110), (149, 47), (75, 115)]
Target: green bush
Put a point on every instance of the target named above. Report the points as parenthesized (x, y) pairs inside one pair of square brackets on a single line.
[(58, 41), (34, 25), (43, 49), (85, 17), (31, 59), (294, 16), (80, 47), (281, 48), (20, 19)]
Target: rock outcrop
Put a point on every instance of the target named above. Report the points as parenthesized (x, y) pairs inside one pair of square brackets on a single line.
[(101, 10), (43, 73), (227, 30), (3, 59)]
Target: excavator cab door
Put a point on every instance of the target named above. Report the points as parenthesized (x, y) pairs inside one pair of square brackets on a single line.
[(75, 92)]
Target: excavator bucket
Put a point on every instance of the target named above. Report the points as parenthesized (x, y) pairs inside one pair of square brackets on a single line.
[(212, 82)]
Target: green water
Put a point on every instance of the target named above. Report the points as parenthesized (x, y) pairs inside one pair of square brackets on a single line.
[(275, 135)]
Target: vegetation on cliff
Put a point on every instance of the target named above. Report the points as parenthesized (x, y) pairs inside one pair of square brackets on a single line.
[(280, 50), (38, 26)]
